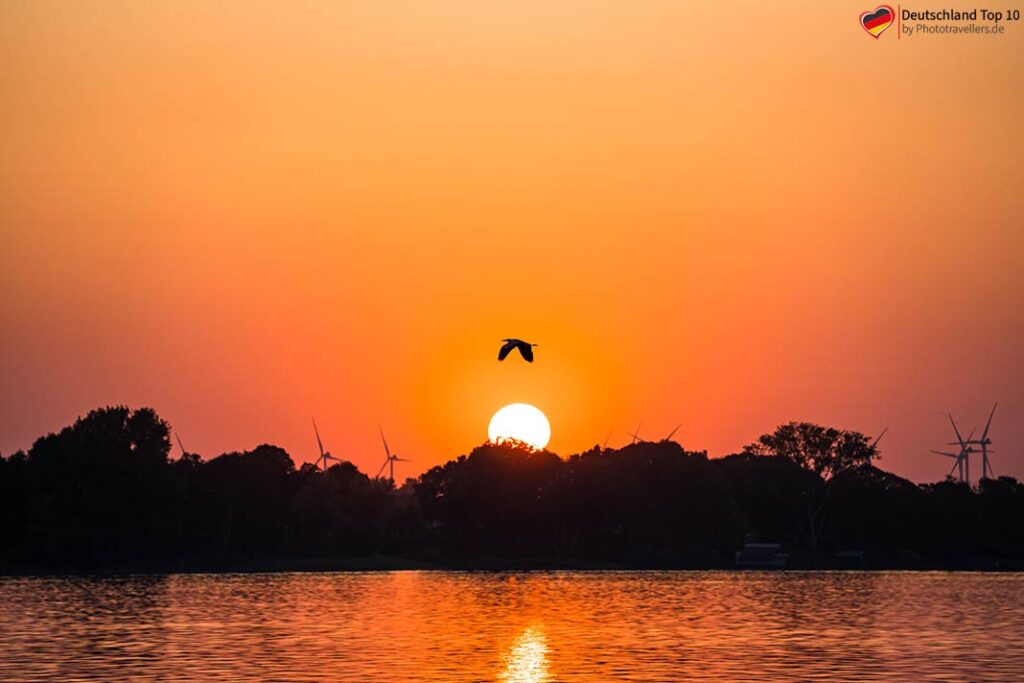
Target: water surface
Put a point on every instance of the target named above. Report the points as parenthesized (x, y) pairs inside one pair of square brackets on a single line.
[(529, 627)]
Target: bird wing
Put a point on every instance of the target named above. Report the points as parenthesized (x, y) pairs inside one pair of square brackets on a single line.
[(526, 350), (506, 349)]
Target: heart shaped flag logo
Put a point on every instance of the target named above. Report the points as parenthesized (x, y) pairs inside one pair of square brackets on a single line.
[(877, 20)]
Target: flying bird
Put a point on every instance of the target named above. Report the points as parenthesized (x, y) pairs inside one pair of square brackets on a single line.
[(525, 349)]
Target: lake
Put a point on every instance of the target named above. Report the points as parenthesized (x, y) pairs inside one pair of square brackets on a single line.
[(515, 626)]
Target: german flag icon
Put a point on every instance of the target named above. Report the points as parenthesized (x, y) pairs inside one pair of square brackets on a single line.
[(877, 20)]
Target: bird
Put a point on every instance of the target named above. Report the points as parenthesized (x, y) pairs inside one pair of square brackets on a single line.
[(525, 349)]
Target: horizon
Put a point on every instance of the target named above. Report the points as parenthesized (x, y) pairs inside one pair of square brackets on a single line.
[(177, 449), (103, 495), (254, 218)]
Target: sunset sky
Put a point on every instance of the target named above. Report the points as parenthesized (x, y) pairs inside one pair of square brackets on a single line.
[(248, 214)]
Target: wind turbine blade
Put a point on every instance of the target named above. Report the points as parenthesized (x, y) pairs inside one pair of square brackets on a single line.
[(386, 449), (948, 455), (381, 470), (397, 459), (636, 434), (606, 440), (180, 445), (673, 432), (878, 438), (319, 443), (957, 431), (989, 423)]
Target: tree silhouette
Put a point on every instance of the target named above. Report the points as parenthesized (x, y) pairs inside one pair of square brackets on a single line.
[(100, 488), (246, 494), (501, 499), (824, 451), (102, 493)]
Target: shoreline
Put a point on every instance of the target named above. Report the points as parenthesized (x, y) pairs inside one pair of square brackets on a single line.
[(385, 563)]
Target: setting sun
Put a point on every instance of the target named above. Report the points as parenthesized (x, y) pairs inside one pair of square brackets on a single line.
[(522, 422)]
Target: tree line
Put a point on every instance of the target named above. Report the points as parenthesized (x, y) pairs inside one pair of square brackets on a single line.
[(105, 493)]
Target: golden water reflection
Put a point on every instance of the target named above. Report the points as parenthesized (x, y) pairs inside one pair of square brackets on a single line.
[(527, 660), (570, 627)]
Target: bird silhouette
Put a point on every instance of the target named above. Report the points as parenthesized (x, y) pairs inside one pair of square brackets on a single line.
[(525, 349)]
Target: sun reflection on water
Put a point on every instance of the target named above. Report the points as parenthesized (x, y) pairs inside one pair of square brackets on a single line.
[(527, 660), (570, 627)]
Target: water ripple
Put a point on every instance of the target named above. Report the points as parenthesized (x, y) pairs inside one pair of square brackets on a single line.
[(529, 627)]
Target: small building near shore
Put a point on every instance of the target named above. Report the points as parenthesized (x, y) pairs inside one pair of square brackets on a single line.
[(761, 556)]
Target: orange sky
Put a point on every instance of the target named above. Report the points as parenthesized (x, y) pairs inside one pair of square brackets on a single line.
[(247, 214)]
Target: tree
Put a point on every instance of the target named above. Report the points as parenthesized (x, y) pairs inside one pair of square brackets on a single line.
[(245, 498), (826, 451), (101, 487), (501, 499), (823, 451)]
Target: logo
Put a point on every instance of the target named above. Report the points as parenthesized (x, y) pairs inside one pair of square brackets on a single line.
[(877, 20)]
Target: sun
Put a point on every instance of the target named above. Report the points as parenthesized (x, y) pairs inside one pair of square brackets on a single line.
[(522, 422)]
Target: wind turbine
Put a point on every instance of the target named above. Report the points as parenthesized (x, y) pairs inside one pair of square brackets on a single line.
[(608, 438), (963, 458), (958, 465), (672, 433), (390, 460), (635, 434), (985, 442), (874, 444), (324, 455), (184, 453)]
